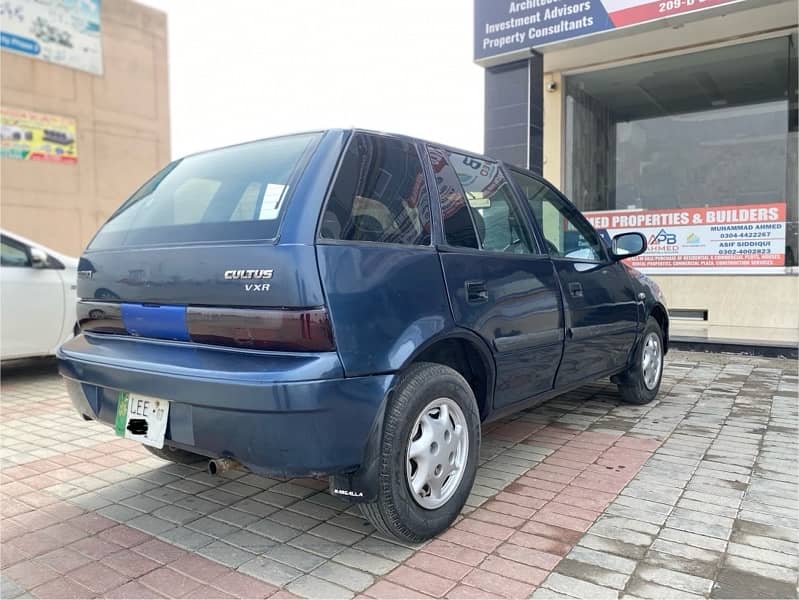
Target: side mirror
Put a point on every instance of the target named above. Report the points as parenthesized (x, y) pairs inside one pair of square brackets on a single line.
[(39, 258), (627, 245)]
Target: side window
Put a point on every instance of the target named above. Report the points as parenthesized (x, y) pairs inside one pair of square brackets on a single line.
[(13, 254), (458, 223), (565, 233), (490, 199), (380, 194)]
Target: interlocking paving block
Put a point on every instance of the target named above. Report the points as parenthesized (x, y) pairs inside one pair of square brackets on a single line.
[(313, 510), (120, 513), (353, 579), (733, 583), (273, 530), (693, 539), (234, 517), (249, 541), (269, 570), (592, 573), (374, 545), (602, 559), (755, 567), (226, 554), (143, 503), (358, 524), (9, 589), (151, 524), (294, 557), (294, 520), (578, 588), (706, 476), (292, 489), (317, 545), (624, 549), (274, 498), (684, 565), (336, 534), (186, 538), (254, 507), (675, 579), (376, 565), (309, 586), (176, 514), (647, 589), (764, 555)]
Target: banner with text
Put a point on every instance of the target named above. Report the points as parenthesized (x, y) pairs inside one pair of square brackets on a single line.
[(721, 237), (64, 32), (28, 135), (502, 26)]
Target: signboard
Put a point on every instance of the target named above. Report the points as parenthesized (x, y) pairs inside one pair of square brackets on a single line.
[(503, 26), (64, 32), (28, 135), (714, 239)]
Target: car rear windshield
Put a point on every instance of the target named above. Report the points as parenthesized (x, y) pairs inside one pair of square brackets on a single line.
[(231, 194)]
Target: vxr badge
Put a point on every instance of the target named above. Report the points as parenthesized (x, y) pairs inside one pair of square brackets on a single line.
[(251, 274)]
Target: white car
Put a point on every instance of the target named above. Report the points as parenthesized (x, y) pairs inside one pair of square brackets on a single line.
[(37, 298)]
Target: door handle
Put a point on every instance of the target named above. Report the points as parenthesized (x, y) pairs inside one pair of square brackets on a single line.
[(576, 289), (476, 292)]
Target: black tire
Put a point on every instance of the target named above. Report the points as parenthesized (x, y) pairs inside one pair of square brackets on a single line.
[(395, 511), (176, 455), (632, 384)]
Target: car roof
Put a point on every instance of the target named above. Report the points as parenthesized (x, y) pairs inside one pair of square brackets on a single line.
[(418, 140), (350, 130)]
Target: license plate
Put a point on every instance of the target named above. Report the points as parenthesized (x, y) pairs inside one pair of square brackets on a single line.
[(142, 418)]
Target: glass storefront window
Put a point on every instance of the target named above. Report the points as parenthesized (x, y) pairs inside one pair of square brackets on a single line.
[(698, 151)]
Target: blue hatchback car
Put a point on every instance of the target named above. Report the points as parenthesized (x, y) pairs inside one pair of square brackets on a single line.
[(354, 305)]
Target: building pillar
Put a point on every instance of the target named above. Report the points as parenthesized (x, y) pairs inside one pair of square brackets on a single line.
[(514, 117)]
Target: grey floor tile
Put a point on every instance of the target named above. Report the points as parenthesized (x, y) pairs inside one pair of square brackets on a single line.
[(269, 570), (309, 586), (230, 556)]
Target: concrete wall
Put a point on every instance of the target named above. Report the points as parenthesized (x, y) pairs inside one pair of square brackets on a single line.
[(740, 307), (122, 130)]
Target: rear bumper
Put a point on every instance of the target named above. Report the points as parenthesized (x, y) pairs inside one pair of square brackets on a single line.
[(278, 414)]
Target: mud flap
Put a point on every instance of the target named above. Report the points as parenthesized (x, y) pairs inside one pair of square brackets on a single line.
[(360, 485)]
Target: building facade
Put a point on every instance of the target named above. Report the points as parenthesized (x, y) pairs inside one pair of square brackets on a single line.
[(676, 118), (85, 114)]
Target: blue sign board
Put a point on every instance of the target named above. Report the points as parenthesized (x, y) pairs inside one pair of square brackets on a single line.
[(503, 26)]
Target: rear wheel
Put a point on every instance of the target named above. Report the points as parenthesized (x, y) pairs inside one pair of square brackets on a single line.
[(429, 452), (176, 455), (641, 382)]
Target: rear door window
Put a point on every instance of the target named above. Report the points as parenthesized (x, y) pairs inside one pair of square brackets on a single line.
[(234, 193), (459, 227), (380, 194), (486, 202)]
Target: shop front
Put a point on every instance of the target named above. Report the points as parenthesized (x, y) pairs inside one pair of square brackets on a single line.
[(676, 119)]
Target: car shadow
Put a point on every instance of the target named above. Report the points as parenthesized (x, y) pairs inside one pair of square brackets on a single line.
[(24, 368)]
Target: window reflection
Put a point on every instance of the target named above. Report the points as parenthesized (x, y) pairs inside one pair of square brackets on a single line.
[(716, 128)]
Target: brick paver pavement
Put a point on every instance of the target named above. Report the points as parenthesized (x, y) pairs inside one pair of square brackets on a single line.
[(695, 495)]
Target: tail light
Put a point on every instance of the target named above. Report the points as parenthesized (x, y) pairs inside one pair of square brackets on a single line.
[(290, 330)]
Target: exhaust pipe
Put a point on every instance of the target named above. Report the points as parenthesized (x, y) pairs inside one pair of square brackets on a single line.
[(217, 466)]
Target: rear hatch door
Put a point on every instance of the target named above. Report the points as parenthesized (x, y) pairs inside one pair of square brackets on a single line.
[(193, 255)]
